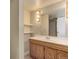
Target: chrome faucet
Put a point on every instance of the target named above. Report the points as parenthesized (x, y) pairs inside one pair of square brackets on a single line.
[(47, 37)]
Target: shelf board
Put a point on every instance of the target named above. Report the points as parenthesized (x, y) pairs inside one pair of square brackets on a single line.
[(28, 32), (28, 24)]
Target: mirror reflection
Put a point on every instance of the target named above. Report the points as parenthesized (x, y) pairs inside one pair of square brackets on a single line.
[(49, 20)]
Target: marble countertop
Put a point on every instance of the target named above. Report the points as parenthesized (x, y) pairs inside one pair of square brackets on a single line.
[(56, 40)]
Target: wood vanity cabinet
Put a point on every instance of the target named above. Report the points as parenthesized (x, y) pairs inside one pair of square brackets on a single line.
[(36, 51), (50, 53), (44, 50), (62, 55)]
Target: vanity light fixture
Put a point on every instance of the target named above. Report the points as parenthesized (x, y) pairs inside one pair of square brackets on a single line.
[(38, 17), (37, 12)]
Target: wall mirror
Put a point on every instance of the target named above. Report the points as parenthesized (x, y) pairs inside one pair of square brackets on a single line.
[(50, 20)]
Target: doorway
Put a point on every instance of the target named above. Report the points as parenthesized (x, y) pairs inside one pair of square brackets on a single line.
[(53, 27)]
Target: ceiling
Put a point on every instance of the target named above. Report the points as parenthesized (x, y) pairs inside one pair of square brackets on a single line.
[(36, 4)]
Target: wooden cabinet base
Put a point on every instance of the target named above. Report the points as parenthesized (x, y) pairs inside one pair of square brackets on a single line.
[(43, 51)]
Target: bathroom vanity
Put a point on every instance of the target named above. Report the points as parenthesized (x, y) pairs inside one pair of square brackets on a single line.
[(53, 48)]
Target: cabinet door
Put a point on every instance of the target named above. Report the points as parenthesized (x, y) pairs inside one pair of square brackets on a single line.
[(37, 51), (50, 53), (32, 50), (61, 27), (62, 55)]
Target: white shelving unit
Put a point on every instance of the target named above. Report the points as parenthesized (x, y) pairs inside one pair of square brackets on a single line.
[(27, 32), (28, 27)]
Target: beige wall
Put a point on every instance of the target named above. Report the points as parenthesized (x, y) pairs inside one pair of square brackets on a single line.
[(26, 17), (16, 30), (26, 21)]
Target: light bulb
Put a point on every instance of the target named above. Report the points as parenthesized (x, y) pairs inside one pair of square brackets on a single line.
[(38, 16), (37, 12), (37, 20)]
